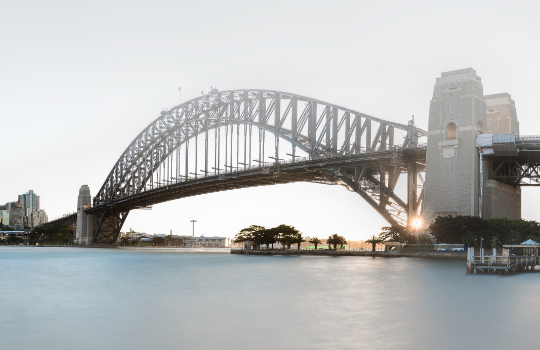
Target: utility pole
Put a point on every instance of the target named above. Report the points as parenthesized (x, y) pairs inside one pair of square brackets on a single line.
[(193, 221)]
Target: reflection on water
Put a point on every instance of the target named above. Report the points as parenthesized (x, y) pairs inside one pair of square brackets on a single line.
[(72, 298)]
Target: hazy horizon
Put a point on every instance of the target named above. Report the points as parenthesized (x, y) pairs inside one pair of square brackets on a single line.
[(81, 81)]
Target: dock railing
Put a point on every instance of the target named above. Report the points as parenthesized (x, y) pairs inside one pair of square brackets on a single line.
[(507, 263)]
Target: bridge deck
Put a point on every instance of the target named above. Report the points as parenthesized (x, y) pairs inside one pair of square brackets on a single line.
[(319, 170)]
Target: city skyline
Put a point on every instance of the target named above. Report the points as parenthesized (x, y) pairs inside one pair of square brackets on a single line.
[(25, 211), (80, 96)]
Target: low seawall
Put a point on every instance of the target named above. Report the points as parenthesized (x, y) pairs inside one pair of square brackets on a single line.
[(321, 252)]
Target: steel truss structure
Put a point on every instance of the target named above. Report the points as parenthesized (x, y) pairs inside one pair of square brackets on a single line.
[(243, 138), (514, 172), (523, 167)]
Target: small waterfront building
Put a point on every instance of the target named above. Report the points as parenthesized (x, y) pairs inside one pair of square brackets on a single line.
[(189, 241), (213, 242), (527, 248)]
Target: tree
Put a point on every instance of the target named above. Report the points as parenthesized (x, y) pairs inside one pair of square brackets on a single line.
[(51, 233), (158, 240), (288, 235), (12, 239), (267, 237), (315, 241), (494, 242), (448, 229), (248, 234), (343, 242), (336, 240), (513, 236), (469, 238), (124, 240), (175, 241), (394, 234), (374, 241), (299, 239)]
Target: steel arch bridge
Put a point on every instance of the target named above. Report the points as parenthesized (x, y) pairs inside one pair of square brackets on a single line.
[(243, 138)]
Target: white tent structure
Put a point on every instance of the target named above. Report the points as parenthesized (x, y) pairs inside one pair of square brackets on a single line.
[(529, 242)]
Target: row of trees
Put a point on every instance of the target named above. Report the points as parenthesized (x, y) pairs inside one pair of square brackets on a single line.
[(157, 241), (285, 235), (53, 233), (398, 234), (470, 230)]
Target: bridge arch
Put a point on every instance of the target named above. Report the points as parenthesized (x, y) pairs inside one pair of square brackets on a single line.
[(336, 145), (317, 128)]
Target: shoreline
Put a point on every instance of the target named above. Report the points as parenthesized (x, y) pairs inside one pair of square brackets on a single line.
[(390, 254)]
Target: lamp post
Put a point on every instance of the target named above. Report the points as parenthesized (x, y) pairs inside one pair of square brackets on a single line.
[(481, 251), (193, 221)]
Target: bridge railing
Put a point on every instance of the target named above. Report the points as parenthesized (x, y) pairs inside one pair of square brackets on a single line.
[(528, 138)]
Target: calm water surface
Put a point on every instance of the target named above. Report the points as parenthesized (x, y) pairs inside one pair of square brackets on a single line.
[(72, 298)]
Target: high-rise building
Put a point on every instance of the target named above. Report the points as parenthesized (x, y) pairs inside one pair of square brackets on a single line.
[(26, 211), (4, 217), (29, 202), (16, 218)]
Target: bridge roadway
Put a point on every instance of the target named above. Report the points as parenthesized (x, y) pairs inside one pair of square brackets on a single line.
[(360, 172), (515, 160)]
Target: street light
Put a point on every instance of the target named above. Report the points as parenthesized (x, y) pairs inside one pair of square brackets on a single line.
[(193, 221)]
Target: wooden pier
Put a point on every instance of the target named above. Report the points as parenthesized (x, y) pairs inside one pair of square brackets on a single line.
[(502, 264)]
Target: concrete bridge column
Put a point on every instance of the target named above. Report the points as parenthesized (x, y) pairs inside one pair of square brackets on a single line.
[(85, 222)]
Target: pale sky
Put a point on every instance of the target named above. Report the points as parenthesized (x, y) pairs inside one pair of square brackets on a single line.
[(79, 81)]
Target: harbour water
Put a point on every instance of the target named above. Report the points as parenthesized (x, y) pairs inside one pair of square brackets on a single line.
[(73, 298)]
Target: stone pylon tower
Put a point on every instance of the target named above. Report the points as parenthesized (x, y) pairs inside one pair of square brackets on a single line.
[(85, 222), (457, 114)]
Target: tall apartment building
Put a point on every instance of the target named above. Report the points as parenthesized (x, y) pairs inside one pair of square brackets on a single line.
[(29, 202)]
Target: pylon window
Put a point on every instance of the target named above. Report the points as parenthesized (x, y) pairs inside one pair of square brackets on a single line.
[(451, 131)]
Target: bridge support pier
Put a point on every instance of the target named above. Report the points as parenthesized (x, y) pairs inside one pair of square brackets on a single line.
[(412, 198), (108, 224), (85, 221)]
